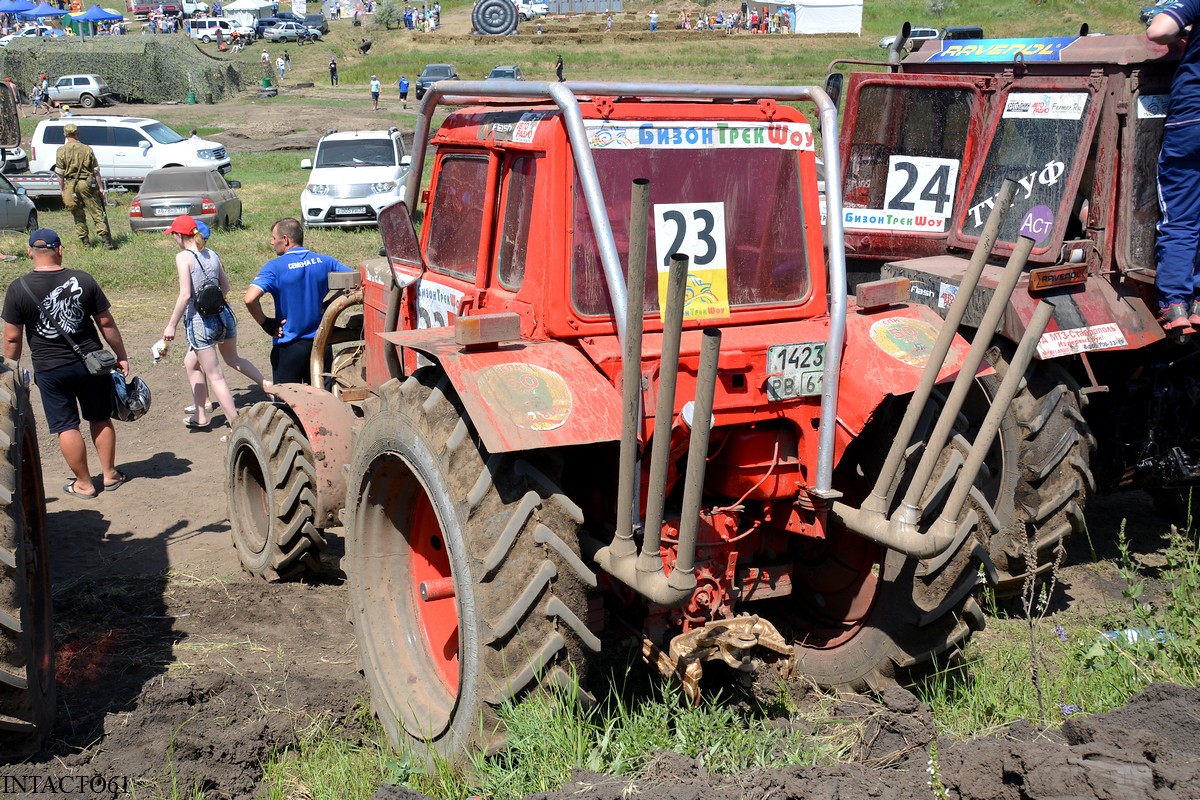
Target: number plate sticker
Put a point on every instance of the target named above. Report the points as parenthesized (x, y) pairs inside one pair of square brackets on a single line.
[(351, 210), (921, 188), (795, 370), (696, 230)]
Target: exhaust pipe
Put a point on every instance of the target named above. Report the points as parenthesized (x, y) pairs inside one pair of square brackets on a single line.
[(643, 571), (880, 498), (631, 371), (902, 532)]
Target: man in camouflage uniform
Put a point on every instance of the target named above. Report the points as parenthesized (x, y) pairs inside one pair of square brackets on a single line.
[(78, 179)]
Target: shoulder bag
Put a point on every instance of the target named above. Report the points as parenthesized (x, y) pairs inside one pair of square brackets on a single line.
[(98, 362)]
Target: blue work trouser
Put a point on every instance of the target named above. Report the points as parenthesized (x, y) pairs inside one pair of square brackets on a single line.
[(1178, 247)]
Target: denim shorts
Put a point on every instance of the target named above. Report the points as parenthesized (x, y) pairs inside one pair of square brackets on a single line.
[(204, 332)]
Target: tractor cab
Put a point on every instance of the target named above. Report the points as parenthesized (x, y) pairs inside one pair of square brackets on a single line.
[(1076, 121)]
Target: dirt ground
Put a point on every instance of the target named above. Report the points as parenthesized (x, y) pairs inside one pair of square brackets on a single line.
[(175, 669)]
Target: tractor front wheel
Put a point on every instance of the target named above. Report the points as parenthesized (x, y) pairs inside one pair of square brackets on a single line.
[(26, 633), (270, 481), (466, 585)]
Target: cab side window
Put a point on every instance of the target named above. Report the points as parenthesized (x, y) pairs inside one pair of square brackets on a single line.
[(514, 235), (457, 216)]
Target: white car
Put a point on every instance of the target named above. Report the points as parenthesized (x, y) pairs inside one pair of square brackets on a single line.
[(527, 10), (914, 36), (126, 147), (31, 31), (355, 175)]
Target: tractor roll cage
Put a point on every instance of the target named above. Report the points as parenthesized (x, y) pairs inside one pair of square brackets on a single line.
[(565, 96)]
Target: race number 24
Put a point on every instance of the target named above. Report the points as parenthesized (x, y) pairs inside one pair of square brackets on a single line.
[(921, 185)]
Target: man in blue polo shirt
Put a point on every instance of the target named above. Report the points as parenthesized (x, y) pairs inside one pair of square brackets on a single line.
[(1178, 243), (297, 281)]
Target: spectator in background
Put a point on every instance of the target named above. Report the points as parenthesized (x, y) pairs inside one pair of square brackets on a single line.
[(558, 67), (333, 76), (403, 84), (280, 65), (654, 20), (375, 87)]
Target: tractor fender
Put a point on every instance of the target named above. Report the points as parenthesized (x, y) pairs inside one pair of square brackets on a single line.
[(524, 395), (886, 353), (329, 425), (1098, 316)]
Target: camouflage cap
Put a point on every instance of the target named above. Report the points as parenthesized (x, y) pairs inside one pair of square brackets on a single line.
[(70, 130)]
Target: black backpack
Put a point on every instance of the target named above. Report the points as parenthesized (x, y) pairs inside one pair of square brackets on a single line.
[(209, 299)]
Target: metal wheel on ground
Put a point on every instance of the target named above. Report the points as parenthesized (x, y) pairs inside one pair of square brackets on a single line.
[(26, 633), (270, 480), (466, 584)]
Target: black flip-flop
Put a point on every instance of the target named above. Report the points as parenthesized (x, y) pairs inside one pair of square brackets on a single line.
[(193, 425), (112, 487), (70, 489)]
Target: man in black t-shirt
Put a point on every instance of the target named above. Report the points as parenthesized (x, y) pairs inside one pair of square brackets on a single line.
[(76, 304)]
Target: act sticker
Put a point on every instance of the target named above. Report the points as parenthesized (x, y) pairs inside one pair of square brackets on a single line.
[(696, 230), (532, 397), (1080, 340), (922, 187), (905, 339), (1045, 105), (1037, 224)]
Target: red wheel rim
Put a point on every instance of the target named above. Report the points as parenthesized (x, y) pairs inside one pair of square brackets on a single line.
[(836, 589), (438, 619)]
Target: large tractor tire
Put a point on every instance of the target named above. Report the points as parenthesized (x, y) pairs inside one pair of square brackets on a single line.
[(466, 585), (1045, 476), (271, 480), (26, 632), (494, 17), (863, 617)]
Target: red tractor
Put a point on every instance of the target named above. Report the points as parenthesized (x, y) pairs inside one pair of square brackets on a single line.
[(616, 385), (1077, 121)]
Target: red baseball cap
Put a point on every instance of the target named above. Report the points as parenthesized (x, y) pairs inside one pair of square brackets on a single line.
[(183, 224)]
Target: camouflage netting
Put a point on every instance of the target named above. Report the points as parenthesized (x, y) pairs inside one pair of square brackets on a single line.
[(151, 69)]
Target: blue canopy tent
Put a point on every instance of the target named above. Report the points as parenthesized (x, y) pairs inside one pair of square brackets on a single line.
[(93, 15), (13, 6), (42, 11)]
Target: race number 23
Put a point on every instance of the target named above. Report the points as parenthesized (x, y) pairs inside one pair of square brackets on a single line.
[(921, 185), (696, 230)]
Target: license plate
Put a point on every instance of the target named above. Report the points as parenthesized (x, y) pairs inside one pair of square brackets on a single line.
[(224, 168), (351, 210), (171, 211), (795, 370)]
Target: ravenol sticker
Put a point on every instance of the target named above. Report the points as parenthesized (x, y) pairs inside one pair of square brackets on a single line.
[(1045, 105), (1004, 49), (531, 397), (1080, 340), (1153, 106), (608, 135), (696, 230), (905, 339)]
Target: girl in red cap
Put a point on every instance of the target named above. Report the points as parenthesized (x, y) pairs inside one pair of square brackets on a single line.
[(206, 333)]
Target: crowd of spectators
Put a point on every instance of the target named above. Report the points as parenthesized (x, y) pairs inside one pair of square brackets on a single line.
[(755, 20)]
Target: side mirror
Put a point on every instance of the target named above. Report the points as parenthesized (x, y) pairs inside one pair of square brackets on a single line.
[(833, 87), (145, 145), (21, 191), (306, 163), (405, 161), (234, 184), (400, 243)]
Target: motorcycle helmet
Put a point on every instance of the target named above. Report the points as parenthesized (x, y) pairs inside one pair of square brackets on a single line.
[(130, 399)]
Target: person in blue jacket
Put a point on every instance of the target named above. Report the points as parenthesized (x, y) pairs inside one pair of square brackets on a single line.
[(1178, 247), (297, 281)]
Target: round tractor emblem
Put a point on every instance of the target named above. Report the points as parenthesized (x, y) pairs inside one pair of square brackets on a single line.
[(905, 339), (532, 397)]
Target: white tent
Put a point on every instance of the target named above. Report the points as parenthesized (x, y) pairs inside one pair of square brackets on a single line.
[(822, 16), (247, 11)]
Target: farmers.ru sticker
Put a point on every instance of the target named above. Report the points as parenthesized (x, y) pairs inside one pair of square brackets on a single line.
[(1080, 340), (1045, 105)]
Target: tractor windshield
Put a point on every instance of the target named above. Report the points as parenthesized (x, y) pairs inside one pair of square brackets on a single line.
[(1037, 143), (725, 194)]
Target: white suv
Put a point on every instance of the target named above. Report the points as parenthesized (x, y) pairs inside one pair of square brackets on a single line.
[(126, 147), (355, 175)]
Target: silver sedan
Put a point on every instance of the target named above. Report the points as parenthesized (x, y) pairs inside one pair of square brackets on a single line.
[(171, 191)]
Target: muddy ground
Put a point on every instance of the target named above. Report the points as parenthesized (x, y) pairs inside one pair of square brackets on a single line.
[(175, 669)]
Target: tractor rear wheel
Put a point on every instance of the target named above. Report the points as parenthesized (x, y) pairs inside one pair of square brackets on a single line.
[(1046, 471), (26, 634), (271, 478), (864, 617), (466, 585)]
